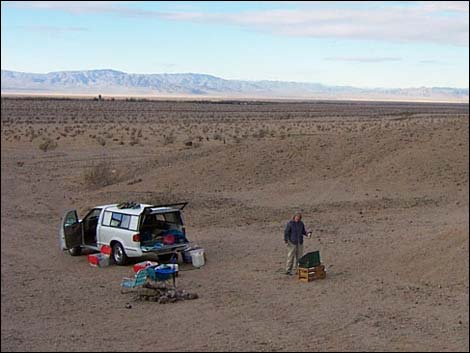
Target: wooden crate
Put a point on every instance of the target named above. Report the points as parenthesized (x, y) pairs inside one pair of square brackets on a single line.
[(311, 269), (311, 273)]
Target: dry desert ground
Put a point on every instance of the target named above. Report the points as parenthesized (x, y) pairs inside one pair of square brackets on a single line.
[(383, 186)]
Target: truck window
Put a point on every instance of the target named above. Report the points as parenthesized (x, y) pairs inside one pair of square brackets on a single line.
[(70, 219), (94, 214), (134, 223), (116, 219), (173, 217), (125, 221), (107, 218), (120, 220)]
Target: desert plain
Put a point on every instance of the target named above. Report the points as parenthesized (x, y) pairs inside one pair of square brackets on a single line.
[(383, 186)]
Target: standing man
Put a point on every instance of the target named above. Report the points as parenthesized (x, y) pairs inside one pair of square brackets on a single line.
[(294, 238)]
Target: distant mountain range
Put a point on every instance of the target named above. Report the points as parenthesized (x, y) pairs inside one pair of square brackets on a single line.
[(112, 82)]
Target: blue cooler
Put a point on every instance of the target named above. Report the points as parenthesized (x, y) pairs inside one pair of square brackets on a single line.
[(162, 274)]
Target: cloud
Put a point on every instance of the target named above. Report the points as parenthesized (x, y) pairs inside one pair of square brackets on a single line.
[(52, 29), (391, 24), (430, 62), (442, 22), (167, 66), (451, 6), (76, 7), (364, 59)]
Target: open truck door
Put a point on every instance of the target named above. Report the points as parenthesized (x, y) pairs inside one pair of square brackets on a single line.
[(71, 231)]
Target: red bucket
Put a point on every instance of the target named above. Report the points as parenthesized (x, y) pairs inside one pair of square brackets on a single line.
[(106, 250)]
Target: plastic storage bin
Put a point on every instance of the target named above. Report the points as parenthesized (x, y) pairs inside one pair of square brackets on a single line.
[(98, 260), (186, 255), (197, 256), (164, 272), (144, 264)]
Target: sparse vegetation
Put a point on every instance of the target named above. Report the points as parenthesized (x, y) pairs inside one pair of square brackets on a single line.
[(100, 140), (47, 145), (169, 139), (388, 187), (100, 175), (134, 141)]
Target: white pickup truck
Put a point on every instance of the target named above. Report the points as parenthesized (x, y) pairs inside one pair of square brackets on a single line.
[(131, 230)]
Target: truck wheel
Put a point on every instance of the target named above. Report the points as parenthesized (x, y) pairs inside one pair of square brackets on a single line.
[(119, 255), (77, 251)]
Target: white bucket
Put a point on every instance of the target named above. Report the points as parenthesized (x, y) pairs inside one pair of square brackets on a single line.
[(197, 256)]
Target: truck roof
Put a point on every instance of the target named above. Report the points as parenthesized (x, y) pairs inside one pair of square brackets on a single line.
[(137, 211)]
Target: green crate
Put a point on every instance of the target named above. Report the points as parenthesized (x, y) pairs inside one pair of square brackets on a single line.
[(310, 259)]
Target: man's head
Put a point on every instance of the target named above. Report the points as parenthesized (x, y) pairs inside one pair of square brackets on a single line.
[(297, 216)]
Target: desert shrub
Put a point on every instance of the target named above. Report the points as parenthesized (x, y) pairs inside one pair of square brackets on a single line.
[(218, 136), (134, 141), (47, 145), (100, 140), (169, 139), (101, 174), (261, 133), (237, 139)]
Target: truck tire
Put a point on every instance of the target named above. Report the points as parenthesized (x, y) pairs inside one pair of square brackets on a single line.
[(119, 255), (77, 251)]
